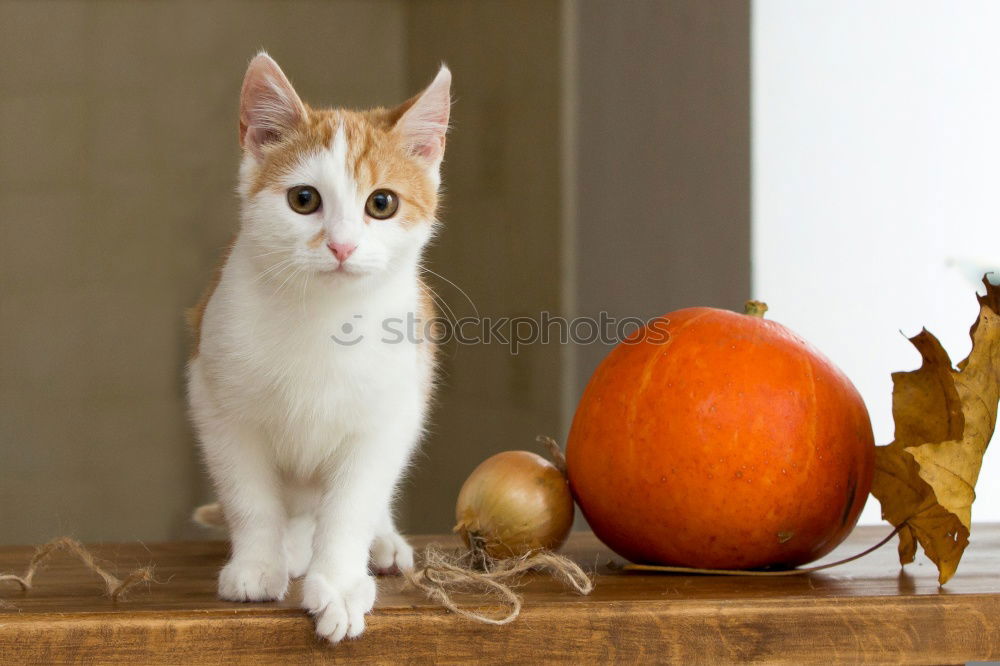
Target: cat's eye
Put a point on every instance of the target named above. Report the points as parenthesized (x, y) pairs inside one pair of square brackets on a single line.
[(304, 199), (382, 204)]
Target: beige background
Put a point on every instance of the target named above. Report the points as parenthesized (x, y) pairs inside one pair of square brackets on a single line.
[(599, 160)]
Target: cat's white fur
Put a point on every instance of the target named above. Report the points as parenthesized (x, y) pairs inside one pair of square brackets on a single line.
[(306, 437)]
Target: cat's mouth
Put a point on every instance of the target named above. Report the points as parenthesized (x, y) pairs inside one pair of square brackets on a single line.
[(341, 269)]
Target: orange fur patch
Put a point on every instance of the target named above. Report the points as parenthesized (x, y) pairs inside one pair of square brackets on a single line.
[(196, 314), (377, 157), (317, 240)]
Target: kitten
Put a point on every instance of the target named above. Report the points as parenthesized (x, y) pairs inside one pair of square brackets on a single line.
[(305, 411)]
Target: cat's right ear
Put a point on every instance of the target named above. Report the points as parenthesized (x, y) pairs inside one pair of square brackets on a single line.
[(269, 106)]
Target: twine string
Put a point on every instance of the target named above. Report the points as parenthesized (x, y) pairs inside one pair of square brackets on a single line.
[(741, 572), (445, 574), (116, 588)]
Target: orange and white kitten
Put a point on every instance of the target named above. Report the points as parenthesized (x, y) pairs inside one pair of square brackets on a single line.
[(306, 412)]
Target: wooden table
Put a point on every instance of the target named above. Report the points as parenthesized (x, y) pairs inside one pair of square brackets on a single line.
[(868, 610)]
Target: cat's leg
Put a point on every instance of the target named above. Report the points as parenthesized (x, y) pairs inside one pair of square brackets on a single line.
[(298, 544), (301, 501), (338, 589), (390, 552), (249, 490)]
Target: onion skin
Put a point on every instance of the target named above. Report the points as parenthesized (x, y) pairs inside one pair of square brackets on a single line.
[(515, 502)]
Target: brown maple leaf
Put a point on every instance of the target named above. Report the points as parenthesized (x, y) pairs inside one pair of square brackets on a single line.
[(926, 478)]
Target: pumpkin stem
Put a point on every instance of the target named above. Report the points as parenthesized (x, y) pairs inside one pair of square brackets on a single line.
[(755, 308)]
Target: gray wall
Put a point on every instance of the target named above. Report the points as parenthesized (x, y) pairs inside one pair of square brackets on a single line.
[(117, 166), (662, 168), (501, 237)]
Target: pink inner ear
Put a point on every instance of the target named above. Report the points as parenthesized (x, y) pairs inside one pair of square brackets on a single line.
[(259, 136), (429, 149), (424, 125), (268, 104)]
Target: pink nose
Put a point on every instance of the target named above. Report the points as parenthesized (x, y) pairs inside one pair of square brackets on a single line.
[(341, 250)]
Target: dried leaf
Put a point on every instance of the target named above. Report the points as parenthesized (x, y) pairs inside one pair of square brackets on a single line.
[(945, 418)]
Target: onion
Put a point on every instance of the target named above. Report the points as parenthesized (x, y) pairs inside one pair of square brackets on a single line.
[(513, 503)]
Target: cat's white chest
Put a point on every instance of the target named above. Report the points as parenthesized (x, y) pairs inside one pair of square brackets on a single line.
[(331, 393), (313, 376)]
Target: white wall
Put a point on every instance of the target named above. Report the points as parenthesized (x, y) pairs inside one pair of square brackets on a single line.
[(876, 161)]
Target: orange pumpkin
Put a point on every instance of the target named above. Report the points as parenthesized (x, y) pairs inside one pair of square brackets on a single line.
[(731, 443)]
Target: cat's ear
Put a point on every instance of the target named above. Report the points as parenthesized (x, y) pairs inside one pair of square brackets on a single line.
[(423, 120), (269, 106)]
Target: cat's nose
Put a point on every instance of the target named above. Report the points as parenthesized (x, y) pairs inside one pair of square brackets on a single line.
[(342, 250)]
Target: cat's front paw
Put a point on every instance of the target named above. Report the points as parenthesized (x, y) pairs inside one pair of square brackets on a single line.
[(391, 554), (253, 581), (340, 605)]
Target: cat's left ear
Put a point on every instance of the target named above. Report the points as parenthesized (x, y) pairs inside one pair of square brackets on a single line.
[(423, 120)]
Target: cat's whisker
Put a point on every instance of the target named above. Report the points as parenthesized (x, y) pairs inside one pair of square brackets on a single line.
[(273, 267), (442, 309), (277, 274), (441, 303), (305, 282), (431, 293), (462, 291), (274, 270), (267, 254), (291, 275)]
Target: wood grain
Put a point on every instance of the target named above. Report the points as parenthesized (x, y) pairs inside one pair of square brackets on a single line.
[(866, 611)]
